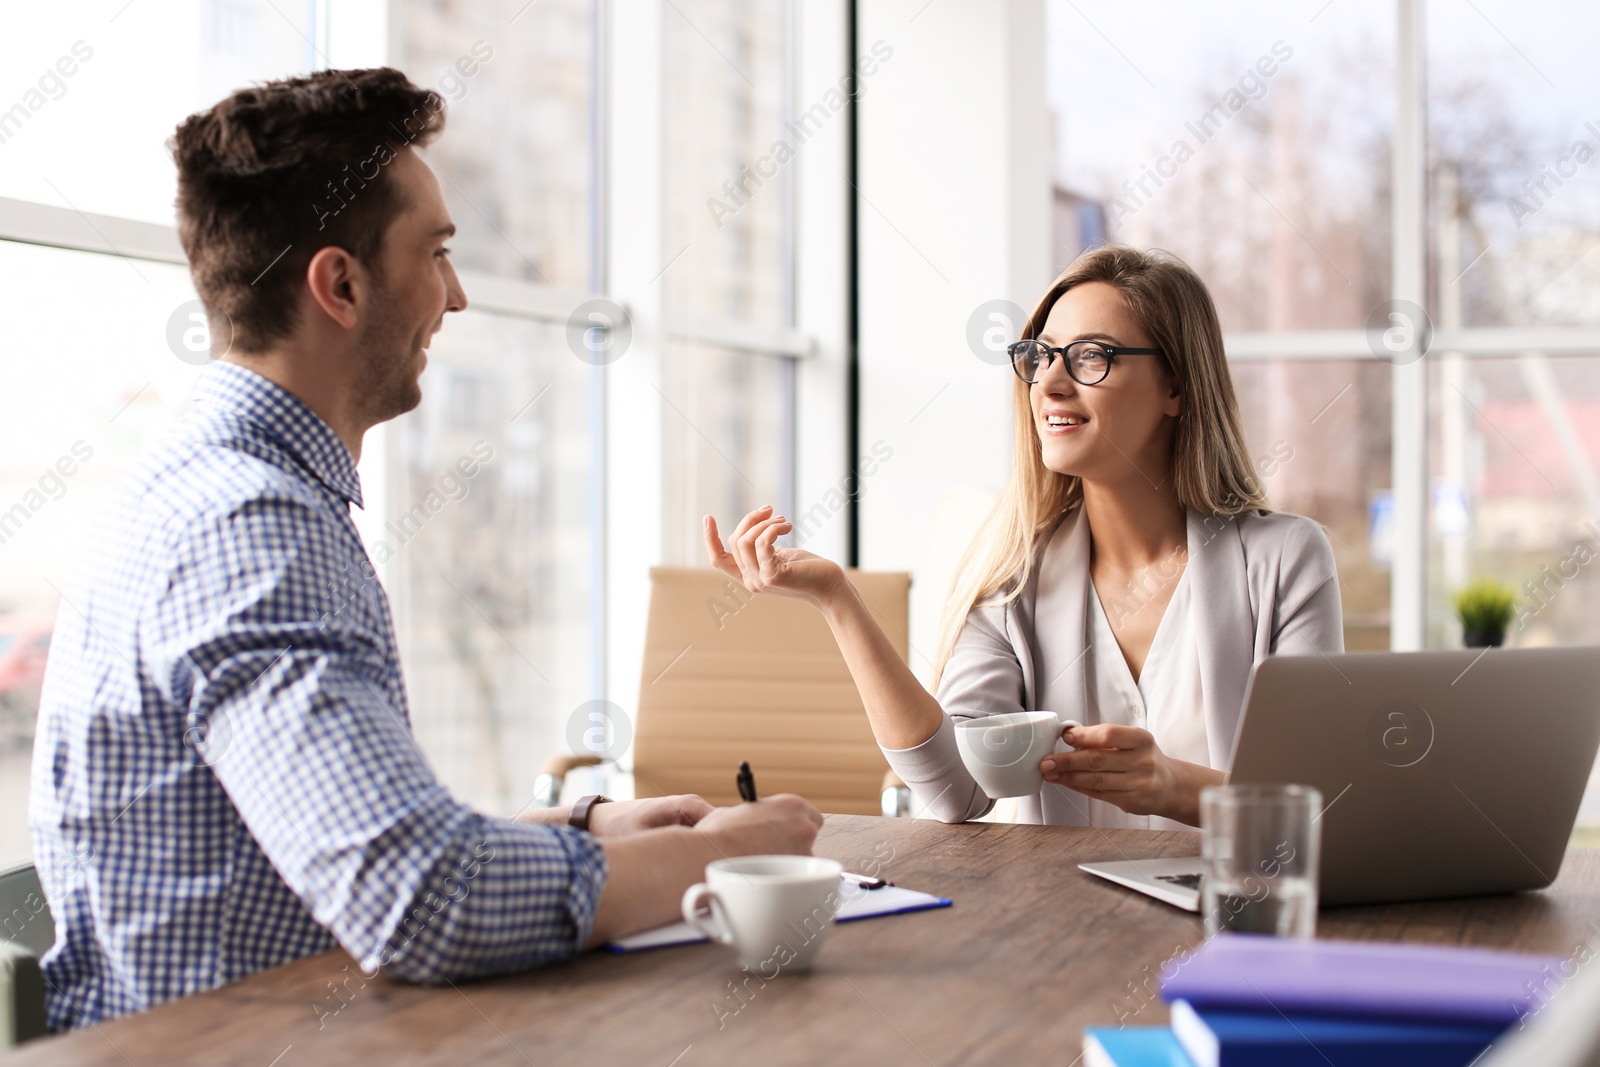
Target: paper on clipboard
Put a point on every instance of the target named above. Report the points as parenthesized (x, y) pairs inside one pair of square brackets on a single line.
[(866, 904)]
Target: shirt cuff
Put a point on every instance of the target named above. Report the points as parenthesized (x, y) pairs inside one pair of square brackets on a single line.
[(590, 869)]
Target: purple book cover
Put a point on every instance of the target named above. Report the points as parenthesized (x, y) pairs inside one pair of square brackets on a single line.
[(1366, 979)]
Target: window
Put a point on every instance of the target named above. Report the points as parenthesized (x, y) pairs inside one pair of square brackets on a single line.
[(728, 240), (487, 505), (1256, 150), (1516, 235), (494, 602), (79, 138), (102, 348), (85, 393), (1259, 148), (722, 436), (487, 518), (515, 162)]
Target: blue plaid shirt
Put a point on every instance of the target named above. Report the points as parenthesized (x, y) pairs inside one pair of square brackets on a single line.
[(225, 777)]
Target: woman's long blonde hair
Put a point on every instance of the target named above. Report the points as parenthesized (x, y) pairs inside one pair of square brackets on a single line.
[(1212, 471)]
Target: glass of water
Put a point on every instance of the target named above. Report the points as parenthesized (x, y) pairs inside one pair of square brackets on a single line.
[(1261, 845)]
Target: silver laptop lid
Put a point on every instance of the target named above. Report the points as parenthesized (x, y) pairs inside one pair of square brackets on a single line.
[(1443, 773)]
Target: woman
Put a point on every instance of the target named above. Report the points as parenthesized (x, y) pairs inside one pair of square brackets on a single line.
[(1129, 578)]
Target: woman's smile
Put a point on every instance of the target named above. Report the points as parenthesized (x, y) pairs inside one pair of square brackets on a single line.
[(1061, 422)]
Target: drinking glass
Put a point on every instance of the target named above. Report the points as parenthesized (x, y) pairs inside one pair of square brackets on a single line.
[(1261, 846)]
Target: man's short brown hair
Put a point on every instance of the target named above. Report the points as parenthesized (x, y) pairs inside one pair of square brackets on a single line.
[(276, 172)]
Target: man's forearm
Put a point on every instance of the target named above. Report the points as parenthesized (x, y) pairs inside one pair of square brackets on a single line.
[(547, 816), (646, 876), (502, 896)]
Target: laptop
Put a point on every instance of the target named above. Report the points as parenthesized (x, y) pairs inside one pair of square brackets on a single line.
[(1443, 774)]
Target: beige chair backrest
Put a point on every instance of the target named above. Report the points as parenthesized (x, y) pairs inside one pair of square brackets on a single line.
[(730, 676)]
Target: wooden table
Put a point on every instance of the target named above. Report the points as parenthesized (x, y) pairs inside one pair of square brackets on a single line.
[(1032, 952)]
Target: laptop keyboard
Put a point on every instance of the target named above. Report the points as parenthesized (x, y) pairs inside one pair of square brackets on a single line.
[(1187, 881)]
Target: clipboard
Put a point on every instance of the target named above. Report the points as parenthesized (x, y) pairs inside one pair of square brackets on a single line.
[(865, 904)]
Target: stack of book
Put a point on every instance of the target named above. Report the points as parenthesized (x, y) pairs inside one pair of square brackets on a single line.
[(1245, 1000)]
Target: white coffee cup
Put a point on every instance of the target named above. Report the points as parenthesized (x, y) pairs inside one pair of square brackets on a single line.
[(773, 911), (1002, 752)]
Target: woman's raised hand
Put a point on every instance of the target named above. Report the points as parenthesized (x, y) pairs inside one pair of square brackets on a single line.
[(754, 559)]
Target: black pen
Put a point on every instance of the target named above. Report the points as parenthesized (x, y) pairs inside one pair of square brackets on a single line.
[(747, 783)]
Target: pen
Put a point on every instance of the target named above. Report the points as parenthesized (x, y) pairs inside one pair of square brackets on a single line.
[(747, 783), (863, 881)]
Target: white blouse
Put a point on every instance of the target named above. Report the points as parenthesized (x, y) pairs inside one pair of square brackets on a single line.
[(1166, 700), (1255, 586)]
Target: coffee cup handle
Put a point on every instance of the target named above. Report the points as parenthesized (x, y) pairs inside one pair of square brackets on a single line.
[(693, 897)]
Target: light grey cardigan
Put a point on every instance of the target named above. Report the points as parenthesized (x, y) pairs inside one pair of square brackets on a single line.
[(1260, 584)]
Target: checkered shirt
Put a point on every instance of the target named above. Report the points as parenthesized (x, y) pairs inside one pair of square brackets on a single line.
[(225, 777)]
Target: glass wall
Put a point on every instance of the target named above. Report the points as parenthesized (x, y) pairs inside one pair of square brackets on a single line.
[(722, 443), (90, 374), (1257, 146), (84, 395), (1254, 145), (483, 514), (1520, 437), (81, 139), (493, 599), (727, 234), (515, 162), (1516, 243), (491, 548)]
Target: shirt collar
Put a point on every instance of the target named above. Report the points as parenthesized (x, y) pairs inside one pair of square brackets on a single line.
[(286, 418)]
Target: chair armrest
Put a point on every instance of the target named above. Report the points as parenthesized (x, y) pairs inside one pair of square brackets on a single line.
[(21, 996), (552, 775), (561, 766)]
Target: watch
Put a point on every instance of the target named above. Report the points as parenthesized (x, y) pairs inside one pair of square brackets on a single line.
[(580, 811)]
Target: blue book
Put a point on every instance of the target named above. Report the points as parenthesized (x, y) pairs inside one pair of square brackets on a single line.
[(1268, 1039), (1440, 984), (1135, 1046)]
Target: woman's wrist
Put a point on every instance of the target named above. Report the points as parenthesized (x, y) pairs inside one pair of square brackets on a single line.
[(836, 596), (1190, 778)]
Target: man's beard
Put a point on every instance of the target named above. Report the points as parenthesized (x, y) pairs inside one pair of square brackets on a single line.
[(388, 385)]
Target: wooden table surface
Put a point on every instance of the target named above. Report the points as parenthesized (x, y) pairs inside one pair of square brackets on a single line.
[(1031, 953)]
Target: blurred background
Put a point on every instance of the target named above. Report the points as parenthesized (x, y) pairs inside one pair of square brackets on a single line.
[(822, 220)]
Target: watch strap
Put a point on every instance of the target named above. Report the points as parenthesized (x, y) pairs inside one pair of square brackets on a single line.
[(579, 818)]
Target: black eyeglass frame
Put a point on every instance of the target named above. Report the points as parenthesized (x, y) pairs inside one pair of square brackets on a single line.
[(1113, 352)]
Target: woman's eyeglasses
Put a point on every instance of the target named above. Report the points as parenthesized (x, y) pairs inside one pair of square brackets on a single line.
[(1088, 362)]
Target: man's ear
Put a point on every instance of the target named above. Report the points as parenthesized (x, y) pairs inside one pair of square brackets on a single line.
[(338, 284)]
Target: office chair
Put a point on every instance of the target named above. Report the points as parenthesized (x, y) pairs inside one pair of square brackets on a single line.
[(29, 931), (731, 677)]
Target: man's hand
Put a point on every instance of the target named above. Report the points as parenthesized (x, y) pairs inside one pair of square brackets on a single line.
[(649, 871), (621, 817), (783, 824)]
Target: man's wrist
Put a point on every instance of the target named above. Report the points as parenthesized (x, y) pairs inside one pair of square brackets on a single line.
[(583, 810), (545, 816), (714, 844)]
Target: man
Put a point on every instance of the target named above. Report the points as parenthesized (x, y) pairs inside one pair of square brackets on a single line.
[(225, 777)]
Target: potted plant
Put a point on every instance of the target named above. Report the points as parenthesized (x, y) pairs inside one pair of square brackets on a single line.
[(1485, 608)]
